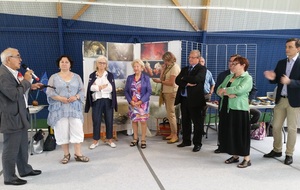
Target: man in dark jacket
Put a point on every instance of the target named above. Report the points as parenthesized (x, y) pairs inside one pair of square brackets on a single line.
[(287, 105), (191, 96)]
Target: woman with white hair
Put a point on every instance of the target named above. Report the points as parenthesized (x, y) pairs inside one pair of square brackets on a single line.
[(101, 96), (137, 93)]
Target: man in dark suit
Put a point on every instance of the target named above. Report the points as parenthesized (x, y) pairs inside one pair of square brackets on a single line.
[(14, 118), (287, 77), (191, 96)]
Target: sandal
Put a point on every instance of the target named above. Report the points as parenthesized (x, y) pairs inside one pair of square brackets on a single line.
[(66, 159), (143, 144), (232, 160), (244, 164), (135, 142), (81, 158)]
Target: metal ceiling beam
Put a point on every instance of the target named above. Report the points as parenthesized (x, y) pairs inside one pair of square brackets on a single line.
[(186, 16), (204, 15)]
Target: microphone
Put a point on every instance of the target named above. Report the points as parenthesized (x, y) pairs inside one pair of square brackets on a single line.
[(33, 75), (45, 86)]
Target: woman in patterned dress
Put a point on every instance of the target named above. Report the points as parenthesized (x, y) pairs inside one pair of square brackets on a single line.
[(137, 93)]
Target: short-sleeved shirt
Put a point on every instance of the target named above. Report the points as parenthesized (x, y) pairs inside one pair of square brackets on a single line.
[(175, 70)]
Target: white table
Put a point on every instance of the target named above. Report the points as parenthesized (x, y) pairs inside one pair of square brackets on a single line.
[(33, 110)]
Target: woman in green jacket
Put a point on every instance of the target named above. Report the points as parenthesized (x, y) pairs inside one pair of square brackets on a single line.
[(234, 113)]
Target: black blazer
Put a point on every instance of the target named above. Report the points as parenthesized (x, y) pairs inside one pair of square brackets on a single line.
[(293, 89), (89, 98), (195, 94)]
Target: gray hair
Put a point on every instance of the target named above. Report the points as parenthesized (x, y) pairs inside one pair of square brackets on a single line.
[(101, 57), (196, 51), (6, 53)]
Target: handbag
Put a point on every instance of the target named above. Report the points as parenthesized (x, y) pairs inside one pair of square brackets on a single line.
[(38, 142), (259, 133), (50, 142), (164, 127)]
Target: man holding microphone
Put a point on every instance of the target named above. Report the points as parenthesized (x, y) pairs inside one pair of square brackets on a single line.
[(14, 119)]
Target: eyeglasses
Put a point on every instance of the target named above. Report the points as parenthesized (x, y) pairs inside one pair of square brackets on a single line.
[(190, 57), (101, 63), (16, 56), (235, 63)]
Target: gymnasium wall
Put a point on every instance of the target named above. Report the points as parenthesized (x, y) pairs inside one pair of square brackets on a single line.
[(42, 40)]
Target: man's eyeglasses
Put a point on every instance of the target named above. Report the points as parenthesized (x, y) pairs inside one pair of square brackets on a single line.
[(193, 57), (16, 56)]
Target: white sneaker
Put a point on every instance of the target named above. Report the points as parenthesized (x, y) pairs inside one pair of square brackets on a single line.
[(94, 145), (112, 144)]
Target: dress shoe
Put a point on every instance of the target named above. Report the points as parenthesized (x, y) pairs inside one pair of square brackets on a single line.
[(217, 151), (273, 154), (183, 144), (32, 173), (196, 148), (288, 160), (15, 182)]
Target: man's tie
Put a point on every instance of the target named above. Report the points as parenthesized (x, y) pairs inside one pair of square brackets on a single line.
[(184, 91)]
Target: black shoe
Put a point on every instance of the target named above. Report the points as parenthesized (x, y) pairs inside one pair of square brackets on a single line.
[(32, 173), (288, 160), (217, 151), (273, 154), (196, 148), (15, 182), (183, 144)]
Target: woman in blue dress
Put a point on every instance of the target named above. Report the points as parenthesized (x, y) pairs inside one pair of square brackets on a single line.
[(137, 93)]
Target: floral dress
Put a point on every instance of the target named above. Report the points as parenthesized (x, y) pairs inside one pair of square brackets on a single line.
[(141, 113)]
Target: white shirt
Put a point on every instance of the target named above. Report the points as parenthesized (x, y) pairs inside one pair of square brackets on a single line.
[(15, 74), (104, 93), (289, 67)]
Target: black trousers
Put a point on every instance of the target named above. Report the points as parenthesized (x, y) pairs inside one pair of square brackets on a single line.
[(191, 115)]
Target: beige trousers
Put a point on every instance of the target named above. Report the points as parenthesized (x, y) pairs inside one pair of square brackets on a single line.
[(283, 111), (169, 99)]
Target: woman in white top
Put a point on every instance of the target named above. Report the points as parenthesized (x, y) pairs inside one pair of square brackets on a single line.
[(101, 96)]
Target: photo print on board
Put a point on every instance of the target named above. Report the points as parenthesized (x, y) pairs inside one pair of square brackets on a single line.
[(94, 48), (153, 51), (120, 52)]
